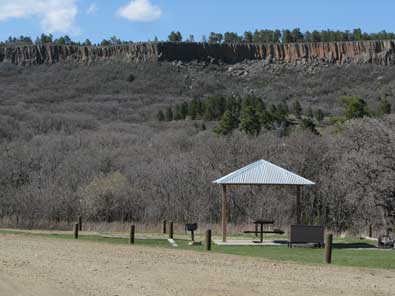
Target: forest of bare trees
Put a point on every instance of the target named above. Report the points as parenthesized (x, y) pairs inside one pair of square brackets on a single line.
[(87, 142)]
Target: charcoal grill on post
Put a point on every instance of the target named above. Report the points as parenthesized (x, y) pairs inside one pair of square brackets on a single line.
[(191, 227)]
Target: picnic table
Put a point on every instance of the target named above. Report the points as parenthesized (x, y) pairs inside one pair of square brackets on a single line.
[(260, 229)]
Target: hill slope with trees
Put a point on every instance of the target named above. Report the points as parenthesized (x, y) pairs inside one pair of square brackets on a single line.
[(141, 142)]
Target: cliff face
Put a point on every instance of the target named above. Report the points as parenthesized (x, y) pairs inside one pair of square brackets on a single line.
[(363, 52), (50, 54)]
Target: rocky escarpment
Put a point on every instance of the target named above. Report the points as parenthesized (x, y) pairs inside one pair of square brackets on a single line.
[(361, 52), (51, 54)]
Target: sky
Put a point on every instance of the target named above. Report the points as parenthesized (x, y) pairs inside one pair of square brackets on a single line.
[(142, 20)]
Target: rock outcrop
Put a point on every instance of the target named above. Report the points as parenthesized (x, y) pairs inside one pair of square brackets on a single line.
[(361, 52), (51, 54)]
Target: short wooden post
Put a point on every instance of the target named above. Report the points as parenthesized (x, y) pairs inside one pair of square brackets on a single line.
[(80, 223), (370, 230), (193, 236), (164, 226), (380, 242), (131, 237), (171, 230), (208, 240), (328, 248), (256, 229), (76, 227)]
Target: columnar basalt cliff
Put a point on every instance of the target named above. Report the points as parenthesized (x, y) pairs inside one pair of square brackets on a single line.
[(51, 54), (362, 52)]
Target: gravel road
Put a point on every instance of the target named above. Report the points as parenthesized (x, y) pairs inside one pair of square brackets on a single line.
[(42, 266)]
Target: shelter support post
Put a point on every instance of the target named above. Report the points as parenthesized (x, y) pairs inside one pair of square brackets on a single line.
[(224, 213), (298, 205)]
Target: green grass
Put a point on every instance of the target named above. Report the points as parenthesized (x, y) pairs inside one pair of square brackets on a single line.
[(343, 257), (342, 254)]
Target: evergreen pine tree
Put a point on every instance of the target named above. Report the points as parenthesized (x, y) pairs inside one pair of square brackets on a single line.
[(273, 113), (169, 114), (193, 108), (200, 108), (260, 106), (354, 107), (161, 115), (233, 105), (184, 110), (247, 102), (227, 124), (273, 109), (250, 121), (319, 115), (178, 114), (209, 109), (276, 113), (230, 104), (281, 113), (175, 37), (266, 119), (221, 106), (215, 107), (283, 108)]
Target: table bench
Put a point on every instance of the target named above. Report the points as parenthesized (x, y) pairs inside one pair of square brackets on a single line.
[(261, 231)]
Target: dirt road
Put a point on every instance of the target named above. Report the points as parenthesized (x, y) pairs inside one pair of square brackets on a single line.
[(47, 267)]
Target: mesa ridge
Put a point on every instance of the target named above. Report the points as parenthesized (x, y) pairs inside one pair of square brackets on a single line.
[(350, 52)]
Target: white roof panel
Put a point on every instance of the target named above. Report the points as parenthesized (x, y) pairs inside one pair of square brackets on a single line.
[(263, 172)]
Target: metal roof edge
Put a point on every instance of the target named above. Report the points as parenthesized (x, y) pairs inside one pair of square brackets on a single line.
[(238, 172)]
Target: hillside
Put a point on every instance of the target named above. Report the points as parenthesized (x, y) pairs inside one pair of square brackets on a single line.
[(84, 137)]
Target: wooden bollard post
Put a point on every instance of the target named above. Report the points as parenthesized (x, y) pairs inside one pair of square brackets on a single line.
[(380, 241), (370, 230), (80, 223), (208, 240), (193, 236), (164, 226), (171, 230), (76, 227), (131, 237), (328, 248)]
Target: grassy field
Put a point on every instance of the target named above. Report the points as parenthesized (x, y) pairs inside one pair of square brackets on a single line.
[(346, 252)]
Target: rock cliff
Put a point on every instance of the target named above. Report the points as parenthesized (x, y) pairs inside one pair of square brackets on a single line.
[(362, 52)]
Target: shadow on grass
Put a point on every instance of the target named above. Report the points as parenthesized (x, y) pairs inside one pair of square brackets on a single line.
[(353, 246)]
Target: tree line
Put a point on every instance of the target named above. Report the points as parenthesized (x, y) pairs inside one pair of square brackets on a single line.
[(251, 114), (257, 36), (62, 40), (285, 36)]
